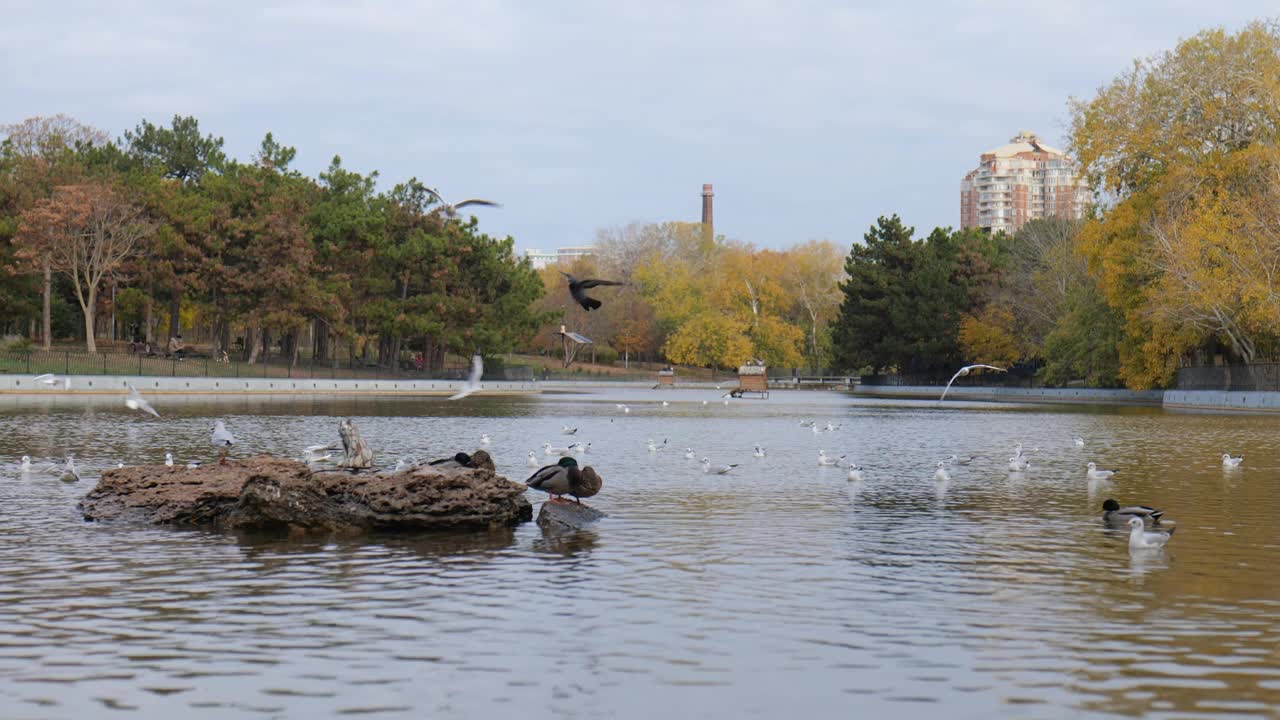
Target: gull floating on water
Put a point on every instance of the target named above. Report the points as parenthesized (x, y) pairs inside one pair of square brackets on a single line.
[(26, 463), (623, 407), (759, 451), (484, 438), (566, 430), (824, 459), (1096, 474), (533, 460), (1142, 539), (957, 460), (941, 474), (1079, 442), (135, 401), (806, 423), (1231, 462), (855, 473), (965, 371), (1017, 463), (689, 454), (473, 380), (654, 447), (579, 448), (561, 451), (710, 469)]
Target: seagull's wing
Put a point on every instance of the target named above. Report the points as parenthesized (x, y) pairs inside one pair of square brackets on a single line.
[(989, 367), (42, 378), (473, 380), (465, 203), (594, 282), (436, 195)]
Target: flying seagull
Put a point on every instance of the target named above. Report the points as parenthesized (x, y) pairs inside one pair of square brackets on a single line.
[(449, 211), (135, 401), (577, 288), (965, 371), (51, 380), (473, 380)]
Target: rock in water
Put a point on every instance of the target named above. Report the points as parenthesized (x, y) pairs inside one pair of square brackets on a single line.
[(265, 493), (358, 454), (565, 515)]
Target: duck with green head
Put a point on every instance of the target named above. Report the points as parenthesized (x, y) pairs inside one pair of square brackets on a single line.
[(566, 478)]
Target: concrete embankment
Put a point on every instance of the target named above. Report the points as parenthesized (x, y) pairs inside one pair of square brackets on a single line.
[(1218, 400), (160, 385), (1071, 396)]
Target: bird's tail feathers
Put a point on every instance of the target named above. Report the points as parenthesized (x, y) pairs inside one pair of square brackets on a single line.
[(592, 304)]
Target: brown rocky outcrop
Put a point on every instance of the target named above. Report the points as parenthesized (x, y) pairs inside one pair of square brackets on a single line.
[(272, 493)]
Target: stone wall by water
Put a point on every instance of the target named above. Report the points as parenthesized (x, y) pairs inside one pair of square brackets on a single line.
[(158, 385)]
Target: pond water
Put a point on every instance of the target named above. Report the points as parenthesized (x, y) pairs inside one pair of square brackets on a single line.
[(780, 589)]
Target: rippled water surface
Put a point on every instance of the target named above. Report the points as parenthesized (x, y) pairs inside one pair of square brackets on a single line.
[(779, 590)]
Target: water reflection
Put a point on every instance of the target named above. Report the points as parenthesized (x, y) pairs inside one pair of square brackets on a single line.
[(780, 589)]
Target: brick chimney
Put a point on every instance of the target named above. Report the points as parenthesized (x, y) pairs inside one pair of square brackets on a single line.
[(708, 216)]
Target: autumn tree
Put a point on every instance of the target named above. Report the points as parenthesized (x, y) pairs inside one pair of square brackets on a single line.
[(86, 231)]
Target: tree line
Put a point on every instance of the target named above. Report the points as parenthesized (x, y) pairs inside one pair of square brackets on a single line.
[(159, 231), (1177, 263)]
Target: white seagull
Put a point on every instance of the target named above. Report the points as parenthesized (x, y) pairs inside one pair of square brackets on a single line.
[(221, 437), (561, 451), (484, 438), (759, 451), (404, 464), (941, 474), (69, 473), (1017, 463), (51, 380), (1079, 442), (710, 469), (168, 459), (654, 447), (135, 401), (965, 371), (1231, 462), (1096, 474), (449, 211), (1142, 539), (689, 454), (566, 430), (855, 473), (824, 459), (533, 460), (473, 380)]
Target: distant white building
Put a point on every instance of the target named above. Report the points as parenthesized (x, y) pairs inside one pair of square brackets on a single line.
[(1021, 181), (540, 259)]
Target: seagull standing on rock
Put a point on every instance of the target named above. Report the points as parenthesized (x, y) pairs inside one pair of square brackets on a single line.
[(222, 438)]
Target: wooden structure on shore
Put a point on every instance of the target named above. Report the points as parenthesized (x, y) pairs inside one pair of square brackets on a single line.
[(752, 379), (666, 377), (572, 343)]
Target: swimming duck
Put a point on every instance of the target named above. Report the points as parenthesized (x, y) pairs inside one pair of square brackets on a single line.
[(1113, 513), (1140, 538), (1231, 462), (1096, 474)]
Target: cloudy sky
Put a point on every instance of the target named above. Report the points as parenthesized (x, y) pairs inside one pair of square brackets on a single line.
[(811, 118)]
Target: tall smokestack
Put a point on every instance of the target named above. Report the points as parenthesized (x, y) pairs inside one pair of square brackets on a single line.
[(708, 216)]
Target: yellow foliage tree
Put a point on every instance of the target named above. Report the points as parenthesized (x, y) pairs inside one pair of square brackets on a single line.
[(991, 337), (710, 339)]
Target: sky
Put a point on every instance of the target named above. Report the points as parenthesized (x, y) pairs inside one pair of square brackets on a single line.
[(810, 118)]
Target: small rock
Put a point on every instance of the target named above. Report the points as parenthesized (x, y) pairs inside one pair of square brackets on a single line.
[(562, 514)]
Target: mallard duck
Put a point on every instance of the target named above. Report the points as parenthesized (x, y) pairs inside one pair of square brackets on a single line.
[(458, 460), (1231, 462), (1096, 474), (558, 479), (1140, 538), (585, 484), (1113, 513)]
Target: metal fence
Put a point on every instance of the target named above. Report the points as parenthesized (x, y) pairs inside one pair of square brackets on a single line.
[(1260, 377), (38, 362)]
